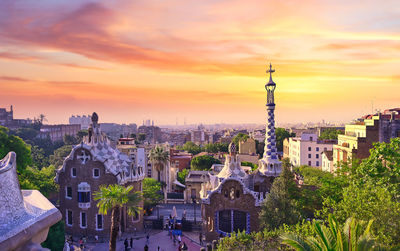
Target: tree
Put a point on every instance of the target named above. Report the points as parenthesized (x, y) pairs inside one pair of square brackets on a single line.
[(141, 137), (80, 134), (158, 156), (151, 192), (281, 135), (13, 143), (182, 175), (56, 237), (59, 155), (239, 137), (42, 180), (252, 165), (280, 206), (192, 147), (330, 133), (203, 162), (39, 158), (114, 197), (70, 139), (355, 235)]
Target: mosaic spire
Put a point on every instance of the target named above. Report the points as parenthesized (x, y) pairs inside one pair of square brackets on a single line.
[(270, 165)]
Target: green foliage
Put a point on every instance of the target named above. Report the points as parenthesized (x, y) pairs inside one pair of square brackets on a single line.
[(239, 137), (355, 235), (158, 156), (263, 240), (42, 180), (141, 137), (70, 140), (203, 163), (56, 237), (216, 147), (252, 165), (59, 155), (280, 207), (192, 147), (39, 158), (281, 134), (80, 134), (13, 143), (182, 175), (117, 196), (151, 192), (330, 133)]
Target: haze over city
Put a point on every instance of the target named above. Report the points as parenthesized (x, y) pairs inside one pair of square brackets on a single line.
[(200, 60)]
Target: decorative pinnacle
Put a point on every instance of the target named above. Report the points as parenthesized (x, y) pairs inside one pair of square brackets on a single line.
[(270, 71)]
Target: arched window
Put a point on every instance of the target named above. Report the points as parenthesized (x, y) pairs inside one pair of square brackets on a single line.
[(229, 221)]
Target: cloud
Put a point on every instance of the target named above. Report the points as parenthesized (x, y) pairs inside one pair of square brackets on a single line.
[(13, 79)]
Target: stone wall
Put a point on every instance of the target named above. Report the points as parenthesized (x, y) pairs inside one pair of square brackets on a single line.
[(223, 201)]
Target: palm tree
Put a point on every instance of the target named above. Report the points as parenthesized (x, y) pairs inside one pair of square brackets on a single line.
[(333, 238), (115, 197), (158, 157)]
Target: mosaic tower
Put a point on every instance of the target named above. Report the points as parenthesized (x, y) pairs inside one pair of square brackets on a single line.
[(270, 165)]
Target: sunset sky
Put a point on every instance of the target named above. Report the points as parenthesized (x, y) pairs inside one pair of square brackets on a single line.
[(200, 60)]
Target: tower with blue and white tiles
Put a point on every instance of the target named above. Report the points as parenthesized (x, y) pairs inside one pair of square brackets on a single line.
[(270, 165)]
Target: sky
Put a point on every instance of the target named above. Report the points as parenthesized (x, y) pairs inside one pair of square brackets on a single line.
[(203, 61)]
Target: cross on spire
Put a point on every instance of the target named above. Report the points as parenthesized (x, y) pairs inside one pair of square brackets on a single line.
[(270, 71)]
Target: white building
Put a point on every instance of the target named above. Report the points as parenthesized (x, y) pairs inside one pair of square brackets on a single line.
[(307, 150), (327, 161), (84, 121)]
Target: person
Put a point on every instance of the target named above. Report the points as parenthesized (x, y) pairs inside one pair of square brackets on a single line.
[(179, 239), (126, 244), (96, 238), (201, 239), (131, 242), (147, 239), (179, 248), (158, 248), (184, 214), (146, 248), (81, 243), (184, 247)]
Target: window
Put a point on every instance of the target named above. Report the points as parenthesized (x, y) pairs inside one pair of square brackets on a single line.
[(83, 197), (309, 148), (83, 220), (99, 222), (310, 138), (317, 149), (73, 172), (68, 192), (309, 163), (317, 163), (317, 156), (232, 220), (68, 216), (309, 155), (96, 173)]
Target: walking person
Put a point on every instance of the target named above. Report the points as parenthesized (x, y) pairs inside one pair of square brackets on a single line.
[(201, 238), (126, 244), (131, 242), (146, 248)]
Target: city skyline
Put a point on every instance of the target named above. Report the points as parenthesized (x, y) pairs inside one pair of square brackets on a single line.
[(203, 61)]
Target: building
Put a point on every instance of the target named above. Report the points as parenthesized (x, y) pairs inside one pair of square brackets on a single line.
[(138, 153), (7, 119), (231, 200), (179, 159), (57, 132), (359, 136), (93, 163), (25, 215), (153, 133), (193, 183), (247, 147), (84, 121), (327, 161), (306, 150)]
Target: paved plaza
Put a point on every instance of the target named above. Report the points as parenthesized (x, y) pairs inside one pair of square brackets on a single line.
[(166, 210), (157, 239)]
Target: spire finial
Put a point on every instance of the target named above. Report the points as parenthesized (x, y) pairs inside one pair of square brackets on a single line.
[(270, 71)]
